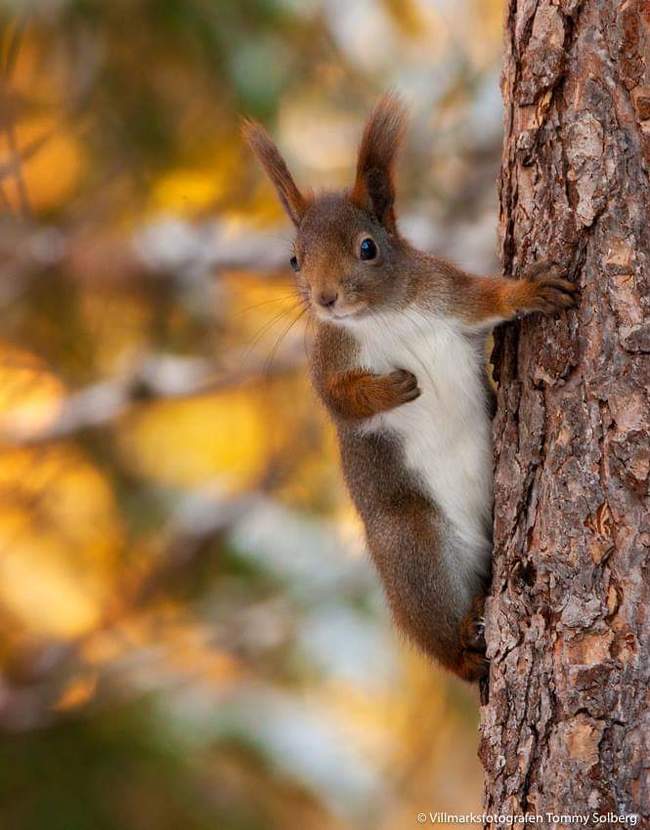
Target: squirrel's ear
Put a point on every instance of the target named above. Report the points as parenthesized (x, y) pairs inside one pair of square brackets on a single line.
[(374, 187), (276, 169)]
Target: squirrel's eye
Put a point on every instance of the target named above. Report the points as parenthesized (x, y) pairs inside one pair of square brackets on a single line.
[(293, 262), (367, 249)]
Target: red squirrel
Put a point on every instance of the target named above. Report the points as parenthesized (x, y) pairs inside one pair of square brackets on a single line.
[(398, 360)]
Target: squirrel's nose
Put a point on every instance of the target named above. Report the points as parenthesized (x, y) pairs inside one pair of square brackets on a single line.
[(327, 298)]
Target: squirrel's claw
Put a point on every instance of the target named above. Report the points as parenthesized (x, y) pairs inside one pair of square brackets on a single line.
[(549, 291)]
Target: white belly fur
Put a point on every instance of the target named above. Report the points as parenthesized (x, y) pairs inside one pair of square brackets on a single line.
[(445, 433)]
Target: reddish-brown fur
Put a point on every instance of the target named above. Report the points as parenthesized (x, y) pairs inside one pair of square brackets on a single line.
[(293, 201), (542, 289), (374, 186), (360, 394), (405, 528)]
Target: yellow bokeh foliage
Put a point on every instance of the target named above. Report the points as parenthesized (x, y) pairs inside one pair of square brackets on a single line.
[(30, 395), (60, 535), (219, 438)]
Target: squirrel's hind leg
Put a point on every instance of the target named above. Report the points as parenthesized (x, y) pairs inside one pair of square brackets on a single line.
[(473, 664)]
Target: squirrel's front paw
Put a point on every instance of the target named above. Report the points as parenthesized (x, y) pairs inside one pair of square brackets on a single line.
[(401, 387), (544, 289), (359, 394)]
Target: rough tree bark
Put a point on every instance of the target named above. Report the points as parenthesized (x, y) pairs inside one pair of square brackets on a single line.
[(566, 727)]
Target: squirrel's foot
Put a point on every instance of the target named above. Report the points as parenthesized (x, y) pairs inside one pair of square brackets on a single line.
[(475, 635), (544, 288), (472, 628), (473, 662)]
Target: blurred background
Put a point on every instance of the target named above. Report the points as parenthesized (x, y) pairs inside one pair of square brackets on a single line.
[(191, 634)]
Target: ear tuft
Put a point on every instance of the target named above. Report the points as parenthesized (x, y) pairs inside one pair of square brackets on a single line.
[(374, 187), (293, 201)]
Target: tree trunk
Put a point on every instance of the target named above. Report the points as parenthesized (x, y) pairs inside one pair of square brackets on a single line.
[(566, 727)]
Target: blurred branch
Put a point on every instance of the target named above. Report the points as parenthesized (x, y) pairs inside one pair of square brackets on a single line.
[(169, 244), (18, 157), (156, 378), (173, 247)]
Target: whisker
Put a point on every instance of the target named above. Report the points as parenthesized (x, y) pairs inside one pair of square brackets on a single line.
[(265, 328), (265, 302), (269, 361)]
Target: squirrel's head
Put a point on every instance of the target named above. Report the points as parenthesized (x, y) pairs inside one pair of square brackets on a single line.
[(347, 249)]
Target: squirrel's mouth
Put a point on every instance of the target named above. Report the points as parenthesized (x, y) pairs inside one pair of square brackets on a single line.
[(343, 313)]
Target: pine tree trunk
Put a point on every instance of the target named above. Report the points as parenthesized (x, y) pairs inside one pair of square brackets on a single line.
[(566, 728)]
